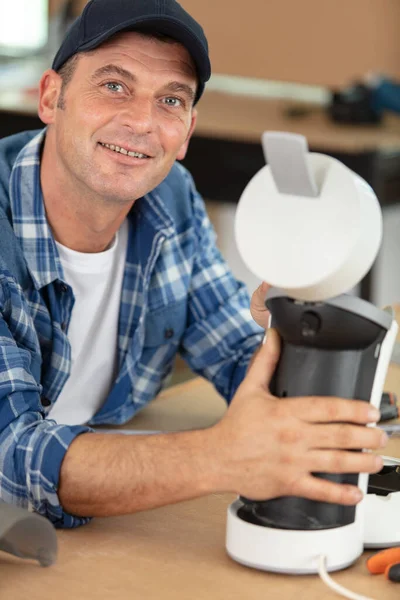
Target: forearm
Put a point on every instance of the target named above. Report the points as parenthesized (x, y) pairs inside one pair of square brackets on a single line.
[(107, 474)]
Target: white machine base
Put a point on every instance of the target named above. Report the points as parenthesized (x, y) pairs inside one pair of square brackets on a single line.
[(297, 552), (381, 520), (287, 551)]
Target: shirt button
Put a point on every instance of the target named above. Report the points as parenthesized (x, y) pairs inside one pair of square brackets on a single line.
[(63, 288), (64, 326), (168, 334), (45, 402)]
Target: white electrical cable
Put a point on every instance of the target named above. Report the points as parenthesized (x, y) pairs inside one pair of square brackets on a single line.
[(323, 573)]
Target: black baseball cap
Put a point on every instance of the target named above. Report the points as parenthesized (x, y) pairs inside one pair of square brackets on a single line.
[(101, 19)]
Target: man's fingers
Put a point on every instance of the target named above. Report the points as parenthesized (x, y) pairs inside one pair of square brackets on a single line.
[(331, 409), (263, 290), (339, 461), (263, 366), (258, 297), (326, 491), (258, 310), (344, 436)]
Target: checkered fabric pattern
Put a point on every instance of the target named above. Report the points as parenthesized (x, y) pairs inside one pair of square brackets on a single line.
[(178, 296)]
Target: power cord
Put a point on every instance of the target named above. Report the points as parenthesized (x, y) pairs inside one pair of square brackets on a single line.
[(339, 589)]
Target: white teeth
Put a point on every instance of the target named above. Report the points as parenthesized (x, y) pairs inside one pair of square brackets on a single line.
[(137, 155), (123, 151)]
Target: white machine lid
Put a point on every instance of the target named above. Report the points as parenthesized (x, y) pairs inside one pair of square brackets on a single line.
[(306, 223)]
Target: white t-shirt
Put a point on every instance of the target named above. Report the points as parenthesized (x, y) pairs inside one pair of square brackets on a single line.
[(96, 280)]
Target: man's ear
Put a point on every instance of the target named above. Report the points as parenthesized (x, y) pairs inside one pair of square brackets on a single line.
[(49, 93), (182, 152)]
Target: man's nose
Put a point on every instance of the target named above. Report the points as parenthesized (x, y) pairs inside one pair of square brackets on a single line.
[(138, 116)]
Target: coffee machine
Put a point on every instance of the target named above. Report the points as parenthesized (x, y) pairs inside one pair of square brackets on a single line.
[(311, 228)]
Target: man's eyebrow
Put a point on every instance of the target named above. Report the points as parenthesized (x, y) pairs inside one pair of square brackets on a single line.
[(113, 70), (176, 86), (173, 86)]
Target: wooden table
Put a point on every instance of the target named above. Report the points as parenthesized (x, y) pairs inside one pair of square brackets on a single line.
[(177, 551)]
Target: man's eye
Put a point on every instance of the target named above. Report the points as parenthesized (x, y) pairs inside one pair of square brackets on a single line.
[(113, 86), (172, 101)]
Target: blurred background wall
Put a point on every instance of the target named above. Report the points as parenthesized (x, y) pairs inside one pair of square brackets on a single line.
[(322, 42)]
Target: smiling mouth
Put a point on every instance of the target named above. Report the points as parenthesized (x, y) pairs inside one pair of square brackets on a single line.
[(124, 151)]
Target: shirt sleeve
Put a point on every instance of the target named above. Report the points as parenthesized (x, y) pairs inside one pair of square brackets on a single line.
[(31, 447), (221, 336)]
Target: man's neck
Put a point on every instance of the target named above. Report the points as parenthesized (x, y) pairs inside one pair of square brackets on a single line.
[(78, 228)]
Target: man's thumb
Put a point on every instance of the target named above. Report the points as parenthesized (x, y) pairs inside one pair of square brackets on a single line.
[(264, 364)]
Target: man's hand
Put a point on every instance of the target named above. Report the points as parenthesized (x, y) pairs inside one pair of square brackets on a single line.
[(268, 447), (262, 448), (258, 310)]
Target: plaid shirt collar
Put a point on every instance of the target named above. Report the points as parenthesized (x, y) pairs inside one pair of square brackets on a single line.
[(29, 216)]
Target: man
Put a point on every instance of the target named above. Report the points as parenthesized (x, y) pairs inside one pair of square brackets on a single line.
[(109, 267)]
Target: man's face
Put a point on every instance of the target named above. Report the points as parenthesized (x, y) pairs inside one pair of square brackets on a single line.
[(134, 94)]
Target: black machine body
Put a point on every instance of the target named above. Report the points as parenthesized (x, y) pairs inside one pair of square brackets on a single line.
[(329, 348)]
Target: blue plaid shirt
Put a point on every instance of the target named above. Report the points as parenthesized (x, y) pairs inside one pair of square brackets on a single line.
[(178, 296)]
